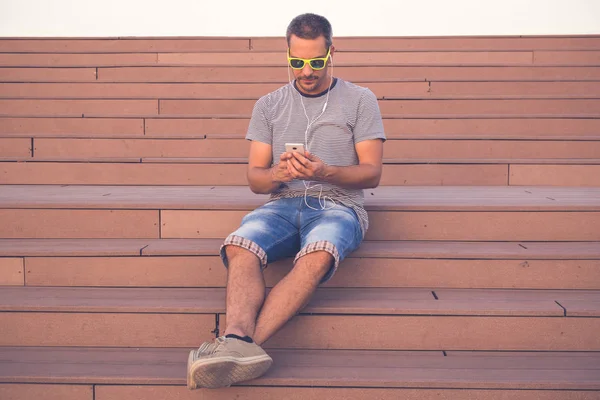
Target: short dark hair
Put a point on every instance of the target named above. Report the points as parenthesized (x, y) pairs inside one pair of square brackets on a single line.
[(309, 26)]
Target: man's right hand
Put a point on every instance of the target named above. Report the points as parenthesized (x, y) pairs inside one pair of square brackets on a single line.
[(280, 172)]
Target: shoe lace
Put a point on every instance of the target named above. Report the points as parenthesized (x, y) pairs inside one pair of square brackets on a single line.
[(210, 347)]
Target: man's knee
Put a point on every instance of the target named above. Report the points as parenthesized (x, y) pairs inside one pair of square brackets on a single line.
[(236, 253), (316, 263)]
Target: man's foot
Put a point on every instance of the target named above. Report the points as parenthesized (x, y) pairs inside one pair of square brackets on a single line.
[(225, 361)]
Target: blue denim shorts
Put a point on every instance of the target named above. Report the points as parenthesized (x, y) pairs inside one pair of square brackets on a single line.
[(289, 228)]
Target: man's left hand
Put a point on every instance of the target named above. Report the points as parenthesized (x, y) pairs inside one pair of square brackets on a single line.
[(307, 167)]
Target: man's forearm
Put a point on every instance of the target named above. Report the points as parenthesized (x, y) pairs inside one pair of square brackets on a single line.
[(361, 176), (261, 180)]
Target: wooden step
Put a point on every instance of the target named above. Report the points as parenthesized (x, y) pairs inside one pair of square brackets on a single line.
[(150, 45), (127, 172), (491, 373), (166, 74), (342, 58), (210, 44), (356, 301), (383, 90), (79, 108), (414, 108), (244, 160), (153, 149), (195, 263), (464, 43), (562, 175), (232, 171), (521, 214), (96, 317), (424, 198), (471, 127), (47, 74)]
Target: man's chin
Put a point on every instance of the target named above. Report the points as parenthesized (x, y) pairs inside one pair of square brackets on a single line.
[(308, 86)]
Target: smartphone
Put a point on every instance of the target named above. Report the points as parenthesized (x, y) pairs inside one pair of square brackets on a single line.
[(291, 147)]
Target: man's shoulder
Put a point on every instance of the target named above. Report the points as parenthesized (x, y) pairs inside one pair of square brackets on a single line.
[(276, 95), (352, 87)]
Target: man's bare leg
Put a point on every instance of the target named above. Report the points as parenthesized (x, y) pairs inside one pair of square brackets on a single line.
[(291, 294), (245, 291)]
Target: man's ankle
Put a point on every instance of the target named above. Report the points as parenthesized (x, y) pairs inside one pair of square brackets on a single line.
[(246, 338)]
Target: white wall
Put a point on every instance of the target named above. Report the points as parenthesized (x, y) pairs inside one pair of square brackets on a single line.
[(83, 18)]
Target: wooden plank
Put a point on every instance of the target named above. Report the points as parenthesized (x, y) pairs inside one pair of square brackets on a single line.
[(362, 58), (129, 392), (579, 303), (102, 329), (46, 392), (75, 60), (580, 58), (15, 147), (508, 107), (195, 150), (95, 148), (128, 173), (317, 371), (462, 43), (556, 175), (47, 74), (530, 128), (385, 225), (386, 161), (71, 247), (492, 149), (412, 108), (468, 333), (513, 89), (66, 127), (355, 74), (80, 108), (484, 226), (38, 173), (444, 174), (524, 274), (116, 300), (12, 272), (21, 224), (202, 127), (126, 271), (151, 90), (435, 198), (208, 271), (478, 250), (215, 90), (404, 128), (355, 301), (123, 45)]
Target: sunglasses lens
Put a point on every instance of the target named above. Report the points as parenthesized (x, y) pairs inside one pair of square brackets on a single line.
[(296, 63), (317, 64)]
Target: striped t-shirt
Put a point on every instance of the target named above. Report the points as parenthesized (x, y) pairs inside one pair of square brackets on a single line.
[(352, 115)]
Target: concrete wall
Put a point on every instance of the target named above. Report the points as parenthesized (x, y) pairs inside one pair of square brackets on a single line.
[(83, 18)]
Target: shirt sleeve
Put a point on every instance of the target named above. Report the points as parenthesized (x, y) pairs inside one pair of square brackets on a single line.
[(369, 124), (260, 128)]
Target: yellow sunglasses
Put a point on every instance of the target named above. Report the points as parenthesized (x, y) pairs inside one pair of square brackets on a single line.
[(315, 63)]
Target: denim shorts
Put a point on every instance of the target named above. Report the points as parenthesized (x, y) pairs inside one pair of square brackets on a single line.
[(289, 228)]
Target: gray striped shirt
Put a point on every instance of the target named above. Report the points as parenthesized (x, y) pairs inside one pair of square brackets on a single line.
[(352, 115)]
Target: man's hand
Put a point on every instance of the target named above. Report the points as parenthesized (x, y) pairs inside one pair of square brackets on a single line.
[(307, 167), (280, 172)]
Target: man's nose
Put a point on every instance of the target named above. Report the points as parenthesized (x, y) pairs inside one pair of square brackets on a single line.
[(307, 70)]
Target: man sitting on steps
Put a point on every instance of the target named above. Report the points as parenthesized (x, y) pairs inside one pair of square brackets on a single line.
[(315, 212)]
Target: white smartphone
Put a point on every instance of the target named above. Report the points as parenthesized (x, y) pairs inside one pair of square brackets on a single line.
[(291, 147)]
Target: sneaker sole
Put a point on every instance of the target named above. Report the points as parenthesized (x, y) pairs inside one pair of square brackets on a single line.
[(224, 371)]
